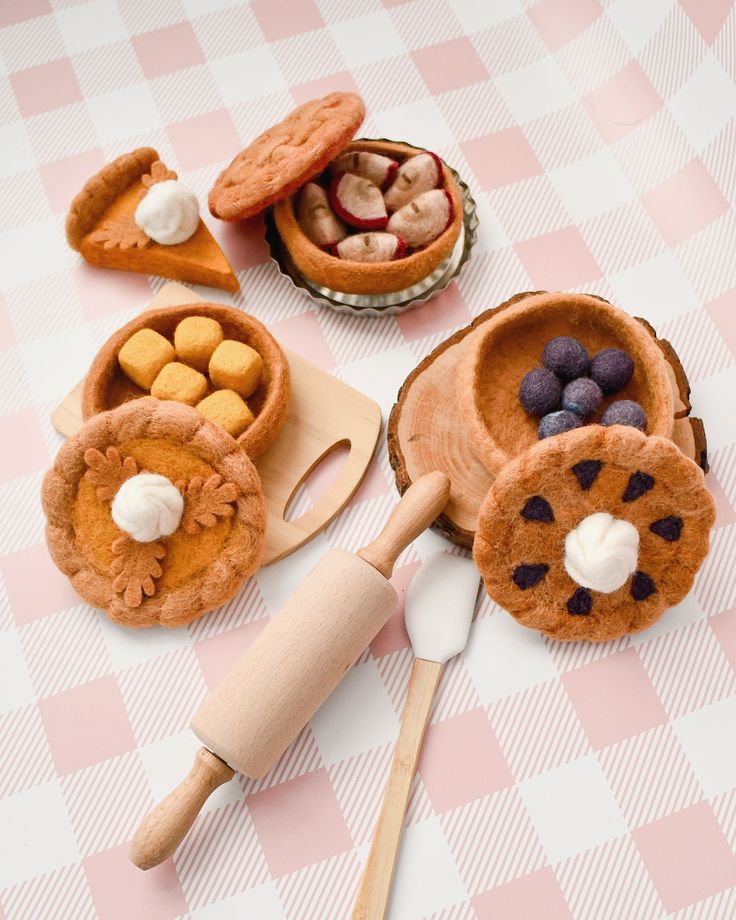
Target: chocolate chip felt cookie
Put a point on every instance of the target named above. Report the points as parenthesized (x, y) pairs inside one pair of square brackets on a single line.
[(285, 157), (594, 533), (134, 215), (154, 513)]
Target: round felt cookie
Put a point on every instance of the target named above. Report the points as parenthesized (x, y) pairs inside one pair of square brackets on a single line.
[(219, 519), (639, 514), (286, 156)]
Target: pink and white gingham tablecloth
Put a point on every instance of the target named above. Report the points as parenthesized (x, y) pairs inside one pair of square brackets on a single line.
[(557, 780)]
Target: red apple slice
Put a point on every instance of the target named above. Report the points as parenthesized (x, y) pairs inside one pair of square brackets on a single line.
[(358, 202), (375, 167), (418, 174), (371, 247), (317, 219), (423, 219)]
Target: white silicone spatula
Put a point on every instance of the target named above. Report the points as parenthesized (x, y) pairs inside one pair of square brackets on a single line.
[(438, 612)]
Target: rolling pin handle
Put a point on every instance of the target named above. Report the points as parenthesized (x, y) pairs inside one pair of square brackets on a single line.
[(419, 506), (165, 827)]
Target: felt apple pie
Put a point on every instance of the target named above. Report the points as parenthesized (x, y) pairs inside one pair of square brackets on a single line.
[(154, 513), (594, 533), (135, 215), (367, 217)]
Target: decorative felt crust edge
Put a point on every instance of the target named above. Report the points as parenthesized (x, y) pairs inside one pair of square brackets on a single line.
[(180, 424), (640, 344), (621, 445), (224, 200), (102, 189), (259, 436), (369, 277), (444, 524)]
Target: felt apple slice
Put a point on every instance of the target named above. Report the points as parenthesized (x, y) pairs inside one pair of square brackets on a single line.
[(418, 174), (358, 202), (423, 219), (375, 167), (317, 219), (371, 247)]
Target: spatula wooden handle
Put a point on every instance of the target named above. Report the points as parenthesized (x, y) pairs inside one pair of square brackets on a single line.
[(164, 828), (421, 504), (375, 885)]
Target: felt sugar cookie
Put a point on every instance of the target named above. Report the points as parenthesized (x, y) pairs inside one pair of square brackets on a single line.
[(594, 533), (286, 156), (135, 215), (154, 513)]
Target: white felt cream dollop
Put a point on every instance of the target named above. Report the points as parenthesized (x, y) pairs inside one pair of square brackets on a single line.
[(168, 213), (147, 506), (601, 552)]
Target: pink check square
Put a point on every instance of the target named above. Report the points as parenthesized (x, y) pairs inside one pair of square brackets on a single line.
[(450, 65), (46, 87), (685, 203), (501, 158), (559, 260), (167, 50), (622, 103)]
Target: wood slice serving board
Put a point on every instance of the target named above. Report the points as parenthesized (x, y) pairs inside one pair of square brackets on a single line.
[(425, 430), (324, 413)]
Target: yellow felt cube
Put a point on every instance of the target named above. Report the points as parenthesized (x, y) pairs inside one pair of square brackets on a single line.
[(195, 339), (143, 355), (236, 366), (228, 410), (180, 382)]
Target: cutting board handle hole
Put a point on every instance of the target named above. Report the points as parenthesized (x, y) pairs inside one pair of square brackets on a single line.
[(316, 481)]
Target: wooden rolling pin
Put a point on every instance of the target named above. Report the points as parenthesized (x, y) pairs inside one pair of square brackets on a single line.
[(295, 663)]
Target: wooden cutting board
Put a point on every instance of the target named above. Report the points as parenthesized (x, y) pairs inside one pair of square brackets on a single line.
[(324, 413), (426, 432)]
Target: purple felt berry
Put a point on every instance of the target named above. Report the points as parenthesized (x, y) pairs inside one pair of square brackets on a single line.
[(611, 369), (582, 396), (566, 357), (625, 412), (557, 422), (540, 391)]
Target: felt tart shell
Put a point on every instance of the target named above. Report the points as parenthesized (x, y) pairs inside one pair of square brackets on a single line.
[(511, 344), (369, 277), (106, 386), (200, 571), (505, 539)]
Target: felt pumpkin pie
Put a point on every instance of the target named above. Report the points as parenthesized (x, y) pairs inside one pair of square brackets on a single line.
[(217, 358), (594, 533), (154, 513), (135, 215), (502, 387), (359, 217)]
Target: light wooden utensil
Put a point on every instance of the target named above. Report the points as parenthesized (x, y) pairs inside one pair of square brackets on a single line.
[(441, 595), (324, 413), (295, 663)]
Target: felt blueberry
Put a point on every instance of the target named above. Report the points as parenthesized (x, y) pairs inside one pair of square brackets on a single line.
[(582, 396), (557, 422), (611, 369), (540, 391), (566, 357), (625, 412)]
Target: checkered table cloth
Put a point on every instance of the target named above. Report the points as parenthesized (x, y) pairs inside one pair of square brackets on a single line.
[(557, 780)]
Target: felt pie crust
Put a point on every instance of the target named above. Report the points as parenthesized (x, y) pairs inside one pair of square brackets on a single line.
[(505, 539), (511, 344), (106, 386), (368, 277), (113, 195), (286, 156), (199, 571)]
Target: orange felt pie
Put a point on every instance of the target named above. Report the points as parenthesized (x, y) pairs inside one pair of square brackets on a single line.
[(134, 215)]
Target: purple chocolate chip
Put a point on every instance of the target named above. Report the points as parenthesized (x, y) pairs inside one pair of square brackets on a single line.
[(642, 586), (668, 528), (611, 369), (540, 391), (527, 575), (581, 603), (586, 472), (538, 509), (639, 484), (566, 357), (625, 412)]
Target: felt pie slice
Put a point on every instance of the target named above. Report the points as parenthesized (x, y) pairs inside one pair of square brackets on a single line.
[(134, 215)]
